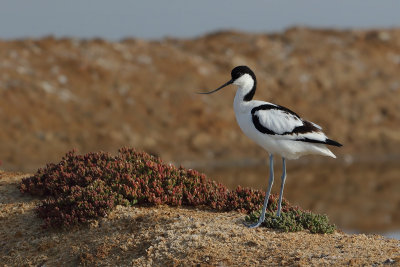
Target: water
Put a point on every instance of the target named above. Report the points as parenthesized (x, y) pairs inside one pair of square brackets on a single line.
[(394, 235)]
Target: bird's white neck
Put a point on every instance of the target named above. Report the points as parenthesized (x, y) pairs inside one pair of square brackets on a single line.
[(239, 104)]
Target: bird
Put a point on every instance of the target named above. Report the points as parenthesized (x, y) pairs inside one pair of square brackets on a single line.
[(275, 128)]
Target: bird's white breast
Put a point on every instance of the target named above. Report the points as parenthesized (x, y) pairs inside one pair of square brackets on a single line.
[(244, 119)]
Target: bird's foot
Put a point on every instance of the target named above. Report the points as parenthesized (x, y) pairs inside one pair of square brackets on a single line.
[(254, 225)]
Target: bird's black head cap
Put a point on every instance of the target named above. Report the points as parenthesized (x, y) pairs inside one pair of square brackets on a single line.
[(238, 71)]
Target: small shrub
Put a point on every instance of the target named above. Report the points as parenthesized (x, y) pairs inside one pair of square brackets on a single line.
[(84, 187), (316, 223), (295, 220), (80, 205)]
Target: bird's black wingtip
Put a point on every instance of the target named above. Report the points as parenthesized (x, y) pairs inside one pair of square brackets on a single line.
[(333, 143)]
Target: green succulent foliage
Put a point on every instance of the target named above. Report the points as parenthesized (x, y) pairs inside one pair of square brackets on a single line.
[(316, 223), (295, 220)]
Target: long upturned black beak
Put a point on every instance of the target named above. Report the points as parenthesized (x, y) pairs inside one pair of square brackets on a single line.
[(219, 88)]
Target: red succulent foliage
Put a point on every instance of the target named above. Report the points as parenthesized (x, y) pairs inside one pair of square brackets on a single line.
[(84, 187)]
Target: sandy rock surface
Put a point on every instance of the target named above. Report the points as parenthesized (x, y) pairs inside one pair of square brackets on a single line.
[(159, 236), (59, 94)]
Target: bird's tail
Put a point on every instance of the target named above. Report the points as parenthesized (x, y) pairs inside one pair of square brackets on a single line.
[(323, 150)]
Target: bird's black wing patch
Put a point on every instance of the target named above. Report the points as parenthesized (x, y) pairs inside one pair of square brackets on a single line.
[(307, 127)]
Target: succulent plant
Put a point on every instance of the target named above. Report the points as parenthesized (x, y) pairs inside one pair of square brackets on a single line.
[(84, 187)]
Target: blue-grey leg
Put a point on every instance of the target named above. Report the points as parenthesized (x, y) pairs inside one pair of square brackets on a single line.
[(278, 213), (271, 181)]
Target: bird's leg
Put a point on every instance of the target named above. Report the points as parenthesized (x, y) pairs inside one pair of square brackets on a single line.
[(278, 213), (271, 181)]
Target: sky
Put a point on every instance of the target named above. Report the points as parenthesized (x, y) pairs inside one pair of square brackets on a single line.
[(151, 19)]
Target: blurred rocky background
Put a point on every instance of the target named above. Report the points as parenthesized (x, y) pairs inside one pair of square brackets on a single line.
[(59, 94)]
